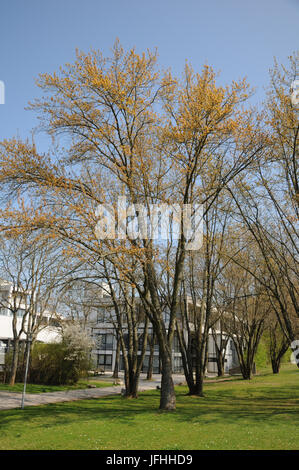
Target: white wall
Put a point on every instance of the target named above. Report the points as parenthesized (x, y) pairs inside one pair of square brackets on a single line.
[(46, 335)]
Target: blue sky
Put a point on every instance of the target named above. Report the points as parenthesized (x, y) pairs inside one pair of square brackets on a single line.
[(239, 38)]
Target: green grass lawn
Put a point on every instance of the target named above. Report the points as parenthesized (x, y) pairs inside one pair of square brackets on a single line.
[(35, 388), (259, 414)]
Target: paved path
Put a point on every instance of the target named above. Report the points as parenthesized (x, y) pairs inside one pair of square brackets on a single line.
[(10, 400)]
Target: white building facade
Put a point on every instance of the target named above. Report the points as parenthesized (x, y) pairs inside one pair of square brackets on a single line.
[(105, 339), (48, 329)]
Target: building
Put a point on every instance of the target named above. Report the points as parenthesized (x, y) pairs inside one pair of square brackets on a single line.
[(104, 334), (48, 330)]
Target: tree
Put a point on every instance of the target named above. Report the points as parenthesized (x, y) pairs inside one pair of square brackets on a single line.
[(276, 341), (246, 309), (144, 135), (151, 342), (128, 319), (268, 202), (200, 314), (104, 294), (29, 269), (221, 339)]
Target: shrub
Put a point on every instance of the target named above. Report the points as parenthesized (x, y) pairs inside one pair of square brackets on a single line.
[(63, 362)]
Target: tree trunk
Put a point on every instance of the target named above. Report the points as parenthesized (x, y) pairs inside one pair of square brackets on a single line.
[(132, 390), (14, 364), (220, 366), (201, 362), (277, 350), (275, 365), (131, 379), (149, 374), (199, 374), (246, 371), (199, 384), (117, 355), (168, 399), (187, 359)]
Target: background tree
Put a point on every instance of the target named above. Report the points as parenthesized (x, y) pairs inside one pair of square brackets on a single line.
[(276, 341), (246, 309), (131, 326), (200, 315), (268, 202), (30, 269), (221, 339)]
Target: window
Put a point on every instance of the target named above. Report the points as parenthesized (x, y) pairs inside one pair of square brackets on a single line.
[(176, 344), (212, 359), (145, 365), (126, 340), (21, 297), (156, 365), (140, 342), (140, 313), (105, 361), (105, 341), (177, 364), (101, 316), (150, 339), (20, 313), (4, 294), (104, 315)]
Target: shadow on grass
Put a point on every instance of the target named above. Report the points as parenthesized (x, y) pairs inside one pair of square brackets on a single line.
[(263, 399), (214, 408)]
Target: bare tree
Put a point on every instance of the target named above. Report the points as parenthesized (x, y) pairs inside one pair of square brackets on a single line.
[(276, 341), (246, 310), (29, 269), (268, 202)]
